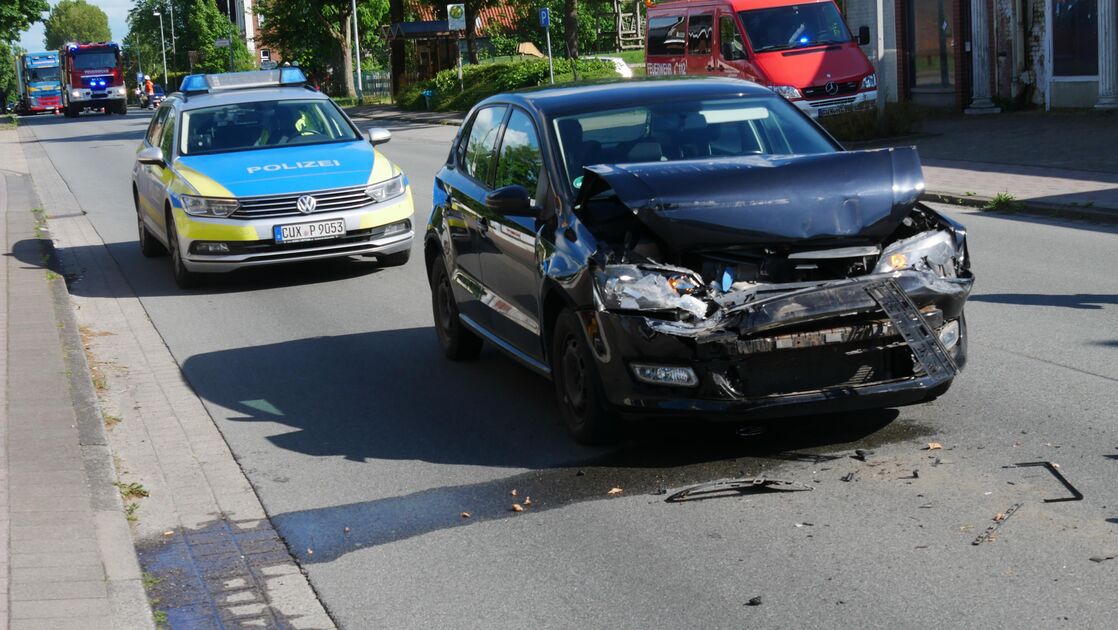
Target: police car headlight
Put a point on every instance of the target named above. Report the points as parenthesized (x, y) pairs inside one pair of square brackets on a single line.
[(209, 206), (388, 189)]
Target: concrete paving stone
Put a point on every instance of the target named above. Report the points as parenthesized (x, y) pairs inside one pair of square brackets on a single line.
[(20, 560), (21, 534), (195, 617), (50, 478), (243, 596), (268, 558), (60, 608), (51, 463), (66, 573), (81, 623), (208, 550), (263, 546), (46, 503), (223, 566), (319, 621), (58, 544), (244, 612), (31, 591), (222, 584), (38, 519)]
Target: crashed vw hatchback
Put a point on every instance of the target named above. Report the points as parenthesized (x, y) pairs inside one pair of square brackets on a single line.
[(693, 248)]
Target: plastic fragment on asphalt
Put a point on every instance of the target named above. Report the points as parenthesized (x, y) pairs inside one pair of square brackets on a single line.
[(516, 507), (615, 491), (754, 601), (861, 455), (513, 493), (527, 501), (465, 515), (933, 446)]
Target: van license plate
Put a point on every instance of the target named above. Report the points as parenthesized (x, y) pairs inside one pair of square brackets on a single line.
[(831, 111), (309, 231)]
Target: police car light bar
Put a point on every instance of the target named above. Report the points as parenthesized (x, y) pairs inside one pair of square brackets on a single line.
[(282, 77)]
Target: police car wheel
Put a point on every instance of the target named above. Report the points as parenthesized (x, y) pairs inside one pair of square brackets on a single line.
[(394, 260), (458, 342), (185, 278), (577, 385), (150, 247)]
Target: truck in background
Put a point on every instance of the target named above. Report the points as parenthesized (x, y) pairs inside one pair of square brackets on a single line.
[(93, 78), (40, 89)]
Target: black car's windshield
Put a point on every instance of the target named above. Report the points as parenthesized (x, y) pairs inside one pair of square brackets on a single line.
[(795, 26), (265, 124), (93, 60), (684, 130)]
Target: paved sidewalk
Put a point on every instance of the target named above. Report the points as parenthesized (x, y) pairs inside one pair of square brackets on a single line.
[(1062, 164), (66, 556)]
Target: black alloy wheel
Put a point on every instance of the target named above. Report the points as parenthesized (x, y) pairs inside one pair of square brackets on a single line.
[(577, 385), (458, 342)]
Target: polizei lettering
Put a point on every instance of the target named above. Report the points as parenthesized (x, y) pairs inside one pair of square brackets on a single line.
[(293, 166)]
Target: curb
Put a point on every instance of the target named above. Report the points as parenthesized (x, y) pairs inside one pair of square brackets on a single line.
[(1055, 210)]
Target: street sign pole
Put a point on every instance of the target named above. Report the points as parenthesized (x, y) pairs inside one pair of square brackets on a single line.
[(545, 22), (357, 45), (456, 22)]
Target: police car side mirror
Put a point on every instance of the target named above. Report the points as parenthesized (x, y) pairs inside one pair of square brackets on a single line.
[(151, 155), (511, 201), (863, 35), (379, 135)]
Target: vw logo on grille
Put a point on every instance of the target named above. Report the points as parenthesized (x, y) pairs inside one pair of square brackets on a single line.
[(831, 88), (306, 204)]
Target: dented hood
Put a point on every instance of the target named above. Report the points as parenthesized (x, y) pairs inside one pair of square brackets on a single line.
[(848, 197)]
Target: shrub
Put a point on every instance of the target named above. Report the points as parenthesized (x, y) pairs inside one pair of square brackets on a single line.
[(483, 80)]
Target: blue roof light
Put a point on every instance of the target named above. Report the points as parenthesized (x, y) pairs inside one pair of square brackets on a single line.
[(803, 40)]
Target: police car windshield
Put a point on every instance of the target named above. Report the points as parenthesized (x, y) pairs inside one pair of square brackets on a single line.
[(262, 125), (683, 129)]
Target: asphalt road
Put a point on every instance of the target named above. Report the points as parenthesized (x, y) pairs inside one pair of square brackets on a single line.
[(327, 382)]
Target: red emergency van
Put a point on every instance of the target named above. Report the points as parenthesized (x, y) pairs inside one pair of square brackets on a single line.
[(801, 49)]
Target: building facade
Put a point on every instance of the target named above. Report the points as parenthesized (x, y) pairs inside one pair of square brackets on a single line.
[(979, 55)]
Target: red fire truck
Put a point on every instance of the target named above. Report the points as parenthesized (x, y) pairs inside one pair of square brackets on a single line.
[(93, 78)]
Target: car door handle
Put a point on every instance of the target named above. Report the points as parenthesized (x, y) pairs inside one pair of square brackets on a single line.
[(483, 226)]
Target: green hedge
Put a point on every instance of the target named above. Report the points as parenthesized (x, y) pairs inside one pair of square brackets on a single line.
[(484, 80)]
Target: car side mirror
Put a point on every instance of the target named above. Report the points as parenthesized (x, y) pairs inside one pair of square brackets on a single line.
[(379, 135), (151, 155), (863, 35), (511, 201)]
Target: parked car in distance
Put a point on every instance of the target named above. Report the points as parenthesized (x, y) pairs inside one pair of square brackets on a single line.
[(800, 49), (692, 248)]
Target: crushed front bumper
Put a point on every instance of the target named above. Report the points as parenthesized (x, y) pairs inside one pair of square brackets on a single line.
[(251, 242), (865, 343)]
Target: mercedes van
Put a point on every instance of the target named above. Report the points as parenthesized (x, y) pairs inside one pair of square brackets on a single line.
[(800, 49)]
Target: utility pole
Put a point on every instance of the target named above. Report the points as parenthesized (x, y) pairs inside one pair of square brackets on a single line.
[(174, 46), (879, 67), (357, 45), (164, 43), (229, 14)]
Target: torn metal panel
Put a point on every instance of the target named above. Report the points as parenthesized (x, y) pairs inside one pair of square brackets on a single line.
[(854, 197)]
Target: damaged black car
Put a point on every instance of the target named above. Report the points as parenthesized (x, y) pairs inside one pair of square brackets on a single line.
[(693, 248)]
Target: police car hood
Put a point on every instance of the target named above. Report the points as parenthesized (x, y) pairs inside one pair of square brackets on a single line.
[(849, 197), (285, 170)]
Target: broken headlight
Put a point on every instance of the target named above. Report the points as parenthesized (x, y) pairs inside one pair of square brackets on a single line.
[(927, 251), (632, 288)]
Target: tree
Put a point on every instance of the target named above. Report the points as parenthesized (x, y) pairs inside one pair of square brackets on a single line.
[(197, 24), (205, 24), (75, 21), (17, 15), (8, 85)]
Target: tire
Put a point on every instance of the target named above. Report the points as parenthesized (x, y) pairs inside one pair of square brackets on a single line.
[(458, 342), (577, 385), (185, 278), (150, 246), (394, 260), (72, 112)]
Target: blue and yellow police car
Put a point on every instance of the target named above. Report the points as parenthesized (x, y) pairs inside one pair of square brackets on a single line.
[(255, 168)]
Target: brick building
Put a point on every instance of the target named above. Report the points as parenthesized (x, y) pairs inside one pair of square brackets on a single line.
[(971, 54)]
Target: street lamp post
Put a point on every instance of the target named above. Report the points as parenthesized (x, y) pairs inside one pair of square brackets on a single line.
[(164, 44), (174, 47), (357, 44), (229, 14)]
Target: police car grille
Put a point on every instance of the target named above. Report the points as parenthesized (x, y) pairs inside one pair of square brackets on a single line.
[(335, 200)]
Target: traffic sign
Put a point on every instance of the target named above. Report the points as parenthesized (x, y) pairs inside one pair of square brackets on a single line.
[(221, 43), (456, 17), (545, 18)]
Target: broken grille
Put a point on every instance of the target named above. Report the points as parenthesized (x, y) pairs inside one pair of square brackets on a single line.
[(336, 200)]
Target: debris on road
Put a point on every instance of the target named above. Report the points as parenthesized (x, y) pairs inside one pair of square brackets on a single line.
[(613, 491), (513, 493), (1076, 495), (527, 501), (169, 533), (516, 507), (729, 487), (933, 446), (805, 524), (999, 519), (755, 601), (861, 455), (465, 515), (1103, 558), (847, 477)]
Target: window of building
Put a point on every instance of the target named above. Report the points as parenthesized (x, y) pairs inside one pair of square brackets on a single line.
[(932, 31), (1075, 38)]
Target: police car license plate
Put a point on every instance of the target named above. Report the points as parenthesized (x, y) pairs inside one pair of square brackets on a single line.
[(309, 231)]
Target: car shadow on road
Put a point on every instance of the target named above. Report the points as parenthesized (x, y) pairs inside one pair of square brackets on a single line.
[(1083, 301), (391, 395), (151, 277)]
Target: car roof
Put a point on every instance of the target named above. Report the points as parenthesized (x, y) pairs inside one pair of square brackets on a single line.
[(557, 101), (247, 95)]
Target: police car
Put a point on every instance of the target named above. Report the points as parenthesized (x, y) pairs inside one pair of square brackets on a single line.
[(253, 168)]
